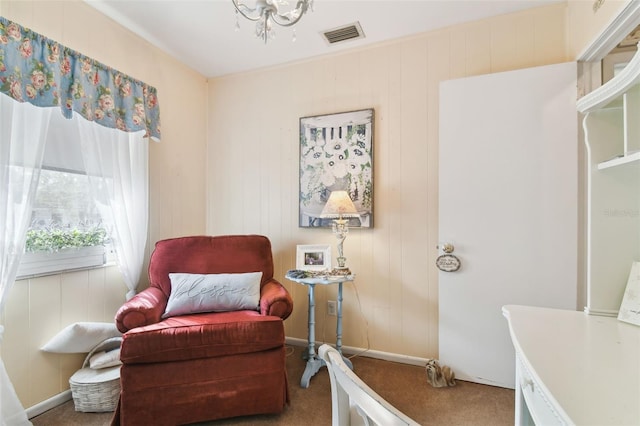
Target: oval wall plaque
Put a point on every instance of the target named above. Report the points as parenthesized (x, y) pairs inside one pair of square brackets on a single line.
[(448, 263)]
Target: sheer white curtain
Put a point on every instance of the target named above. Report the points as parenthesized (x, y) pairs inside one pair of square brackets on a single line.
[(117, 165), (23, 129)]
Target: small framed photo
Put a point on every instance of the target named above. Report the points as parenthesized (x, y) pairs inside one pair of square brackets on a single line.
[(313, 257)]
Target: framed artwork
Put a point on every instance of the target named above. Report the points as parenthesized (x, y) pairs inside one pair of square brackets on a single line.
[(336, 153), (313, 257), (630, 307)]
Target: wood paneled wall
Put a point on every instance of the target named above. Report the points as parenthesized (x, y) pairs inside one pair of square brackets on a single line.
[(253, 165), (37, 309), (586, 24)]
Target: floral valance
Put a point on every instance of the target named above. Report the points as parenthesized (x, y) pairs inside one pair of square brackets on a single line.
[(45, 73)]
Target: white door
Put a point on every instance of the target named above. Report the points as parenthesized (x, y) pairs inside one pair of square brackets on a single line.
[(508, 202)]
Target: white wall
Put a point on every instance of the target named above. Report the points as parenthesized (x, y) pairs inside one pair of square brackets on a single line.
[(39, 308), (253, 165)]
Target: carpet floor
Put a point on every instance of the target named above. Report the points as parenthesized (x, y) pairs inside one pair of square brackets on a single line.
[(404, 386)]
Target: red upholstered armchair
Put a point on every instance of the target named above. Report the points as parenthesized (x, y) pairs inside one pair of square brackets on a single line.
[(203, 366)]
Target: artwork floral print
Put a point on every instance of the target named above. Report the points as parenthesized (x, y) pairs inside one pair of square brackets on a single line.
[(336, 153), (45, 73)]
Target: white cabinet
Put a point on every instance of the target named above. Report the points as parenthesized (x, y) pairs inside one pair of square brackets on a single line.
[(533, 405), (612, 134), (573, 368)]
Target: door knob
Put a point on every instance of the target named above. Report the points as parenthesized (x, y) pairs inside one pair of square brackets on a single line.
[(446, 247)]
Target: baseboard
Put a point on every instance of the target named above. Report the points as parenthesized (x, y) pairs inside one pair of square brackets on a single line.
[(350, 350), (48, 404), (601, 312)]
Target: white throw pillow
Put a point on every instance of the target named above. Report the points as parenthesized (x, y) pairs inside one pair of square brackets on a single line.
[(81, 337), (105, 359), (194, 293)]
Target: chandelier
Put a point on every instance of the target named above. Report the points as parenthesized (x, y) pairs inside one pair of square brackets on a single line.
[(266, 12)]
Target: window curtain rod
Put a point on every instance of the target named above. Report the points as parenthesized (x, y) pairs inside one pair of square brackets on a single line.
[(45, 73)]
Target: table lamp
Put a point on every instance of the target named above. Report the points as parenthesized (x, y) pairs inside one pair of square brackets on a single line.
[(339, 206)]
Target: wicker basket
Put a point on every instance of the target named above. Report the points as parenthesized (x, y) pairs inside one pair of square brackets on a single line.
[(97, 390)]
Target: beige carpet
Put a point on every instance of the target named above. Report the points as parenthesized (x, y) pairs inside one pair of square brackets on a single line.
[(404, 386)]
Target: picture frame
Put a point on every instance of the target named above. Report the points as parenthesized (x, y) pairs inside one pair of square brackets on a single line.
[(630, 306), (336, 153), (314, 257)]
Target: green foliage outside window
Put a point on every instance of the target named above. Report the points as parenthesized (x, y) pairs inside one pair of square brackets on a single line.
[(53, 240)]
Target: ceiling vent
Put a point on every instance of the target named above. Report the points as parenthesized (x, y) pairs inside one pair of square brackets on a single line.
[(344, 33)]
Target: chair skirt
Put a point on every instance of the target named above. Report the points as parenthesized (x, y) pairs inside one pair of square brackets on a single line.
[(197, 390)]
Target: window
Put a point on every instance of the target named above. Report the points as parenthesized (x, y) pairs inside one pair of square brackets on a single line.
[(64, 214), (66, 230)]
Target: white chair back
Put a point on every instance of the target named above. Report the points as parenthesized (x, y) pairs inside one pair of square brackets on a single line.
[(352, 401)]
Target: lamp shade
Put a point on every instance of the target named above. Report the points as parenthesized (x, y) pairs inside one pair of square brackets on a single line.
[(339, 204)]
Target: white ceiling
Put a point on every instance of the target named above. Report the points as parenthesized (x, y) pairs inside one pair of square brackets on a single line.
[(201, 33)]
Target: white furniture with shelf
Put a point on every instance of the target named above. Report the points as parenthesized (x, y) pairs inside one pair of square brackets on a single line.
[(612, 134), (574, 368)]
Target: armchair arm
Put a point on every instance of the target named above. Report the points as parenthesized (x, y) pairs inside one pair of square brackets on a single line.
[(275, 300), (142, 309)]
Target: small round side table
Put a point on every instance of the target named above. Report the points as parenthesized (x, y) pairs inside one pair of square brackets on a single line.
[(313, 361)]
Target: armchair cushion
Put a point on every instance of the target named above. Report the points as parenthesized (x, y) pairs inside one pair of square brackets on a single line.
[(210, 255), (194, 293), (202, 336)]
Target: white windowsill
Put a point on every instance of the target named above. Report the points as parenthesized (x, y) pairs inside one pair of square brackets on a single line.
[(42, 263)]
